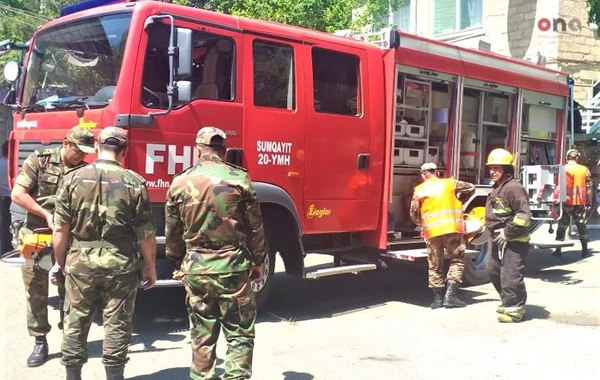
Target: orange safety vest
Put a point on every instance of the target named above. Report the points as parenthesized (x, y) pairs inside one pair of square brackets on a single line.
[(441, 211), (576, 184)]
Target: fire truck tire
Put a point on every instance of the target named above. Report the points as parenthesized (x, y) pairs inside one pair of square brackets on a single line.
[(262, 287), (475, 272)]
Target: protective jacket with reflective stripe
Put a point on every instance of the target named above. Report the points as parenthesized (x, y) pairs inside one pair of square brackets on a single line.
[(441, 211), (576, 184), (507, 207)]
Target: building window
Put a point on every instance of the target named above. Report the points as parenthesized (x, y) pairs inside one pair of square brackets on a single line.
[(454, 15), (336, 82), (401, 17), (274, 75)]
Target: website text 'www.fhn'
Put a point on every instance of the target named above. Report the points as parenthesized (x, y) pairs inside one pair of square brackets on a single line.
[(158, 184)]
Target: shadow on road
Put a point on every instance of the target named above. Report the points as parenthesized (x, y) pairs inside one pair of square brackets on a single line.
[(537, 312), (169, 373), (293, 375), (543, 266), (300, 299)]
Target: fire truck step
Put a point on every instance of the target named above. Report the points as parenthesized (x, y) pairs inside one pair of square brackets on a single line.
[(407, 254), (354, 269), (550, 244), (13, 260), (419, 253), (168, 284)]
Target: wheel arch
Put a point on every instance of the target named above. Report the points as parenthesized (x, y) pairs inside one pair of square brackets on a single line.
[(279, 211)]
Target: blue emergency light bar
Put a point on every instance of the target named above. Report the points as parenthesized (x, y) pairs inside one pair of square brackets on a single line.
[(87, 4)]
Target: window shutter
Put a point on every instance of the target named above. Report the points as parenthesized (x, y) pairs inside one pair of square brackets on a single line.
[(444, 16)]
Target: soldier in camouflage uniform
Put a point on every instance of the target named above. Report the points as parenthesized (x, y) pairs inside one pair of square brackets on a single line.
[(34, 190), (214, 234), (436, 206), (102, 210), (578, 202)]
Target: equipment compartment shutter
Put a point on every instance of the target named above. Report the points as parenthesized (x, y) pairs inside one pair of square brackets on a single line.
[(544, 100)]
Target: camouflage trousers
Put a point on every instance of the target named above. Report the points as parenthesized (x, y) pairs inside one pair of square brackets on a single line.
[(215, 301), (578, 213), (36, 282), (454, 244), (116, 297)]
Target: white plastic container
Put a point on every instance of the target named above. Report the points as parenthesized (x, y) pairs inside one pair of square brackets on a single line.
[(400, 130), (398, 156), (415, 131), (413, 157), (433, 154)]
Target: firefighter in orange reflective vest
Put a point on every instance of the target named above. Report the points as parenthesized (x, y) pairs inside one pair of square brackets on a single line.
[(436, 207), (578, 202), (507, 217)]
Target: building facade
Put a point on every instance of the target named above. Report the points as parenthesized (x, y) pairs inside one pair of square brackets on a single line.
[(553, 33)]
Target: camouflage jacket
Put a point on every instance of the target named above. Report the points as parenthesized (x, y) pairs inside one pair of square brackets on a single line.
[(40, 175), (463, 190), (106, 208), (213, 219)]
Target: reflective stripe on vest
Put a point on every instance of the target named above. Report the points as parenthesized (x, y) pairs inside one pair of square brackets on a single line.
[(441, 212), (576, 185)]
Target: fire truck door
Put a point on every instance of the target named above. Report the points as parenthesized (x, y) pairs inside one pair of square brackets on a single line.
[(337, 173)]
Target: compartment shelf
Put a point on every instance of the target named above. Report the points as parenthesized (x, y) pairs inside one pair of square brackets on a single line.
[(409, 107), (406, 138)]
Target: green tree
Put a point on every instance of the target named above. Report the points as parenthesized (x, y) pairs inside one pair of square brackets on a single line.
[(594, 12), (323, 15), (20, 18)]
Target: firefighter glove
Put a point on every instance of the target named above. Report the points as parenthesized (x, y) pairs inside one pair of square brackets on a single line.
[(500, 240)]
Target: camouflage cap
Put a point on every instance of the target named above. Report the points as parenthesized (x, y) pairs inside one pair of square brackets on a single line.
[(206, 136), (574, 153), (428, 166), (113, 136), (82, 138)]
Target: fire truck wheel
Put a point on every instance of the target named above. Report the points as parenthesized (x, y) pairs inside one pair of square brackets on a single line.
[(475, 272), (262, 286)]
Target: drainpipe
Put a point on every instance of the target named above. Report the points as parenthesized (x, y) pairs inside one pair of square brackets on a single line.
[(571, 82)]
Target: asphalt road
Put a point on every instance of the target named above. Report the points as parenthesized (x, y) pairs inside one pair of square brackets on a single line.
[(367, 326)]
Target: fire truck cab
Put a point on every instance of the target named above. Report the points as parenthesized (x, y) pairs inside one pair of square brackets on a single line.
[(332, 129)]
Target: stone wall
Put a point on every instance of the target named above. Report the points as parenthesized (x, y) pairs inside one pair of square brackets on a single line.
[(578, 50), (511, 27)]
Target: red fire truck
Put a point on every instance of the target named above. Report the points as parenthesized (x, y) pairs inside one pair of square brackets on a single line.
[(331, 129)]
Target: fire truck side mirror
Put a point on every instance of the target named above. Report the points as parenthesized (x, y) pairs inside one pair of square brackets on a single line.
[(184, 91), (184, 58), (12, 70)]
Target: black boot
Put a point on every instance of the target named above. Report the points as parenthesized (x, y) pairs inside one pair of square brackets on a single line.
[(73, 373), (584, 249), (560, 236), (115, 373), (451, 299), (39, 354), (438, 298)]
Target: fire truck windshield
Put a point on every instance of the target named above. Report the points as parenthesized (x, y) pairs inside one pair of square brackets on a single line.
[(76, 64)]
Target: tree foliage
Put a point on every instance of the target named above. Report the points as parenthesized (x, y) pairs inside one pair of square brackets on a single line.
[(323, 15), (594, 12), (20, 18)]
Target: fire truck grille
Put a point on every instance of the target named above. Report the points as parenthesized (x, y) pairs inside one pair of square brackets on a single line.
[(26, 147)]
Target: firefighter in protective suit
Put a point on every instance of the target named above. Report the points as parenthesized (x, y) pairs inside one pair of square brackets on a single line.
[(578, 201), (507, 216)]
